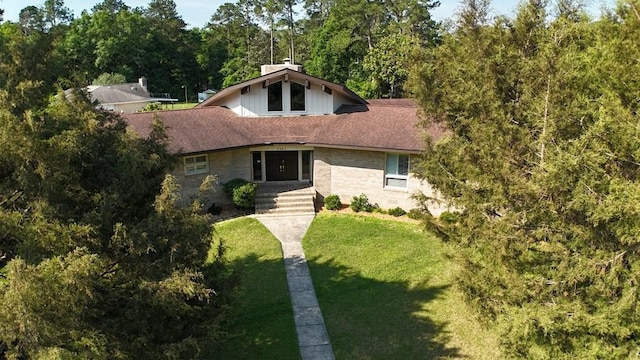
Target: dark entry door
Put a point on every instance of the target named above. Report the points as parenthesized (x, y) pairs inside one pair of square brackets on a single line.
[(281, 165)]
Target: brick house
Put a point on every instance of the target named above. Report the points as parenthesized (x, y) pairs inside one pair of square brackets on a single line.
[(287, 126)]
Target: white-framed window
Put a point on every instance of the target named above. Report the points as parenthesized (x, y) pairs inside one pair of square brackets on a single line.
[(396, 173), (196, 165)]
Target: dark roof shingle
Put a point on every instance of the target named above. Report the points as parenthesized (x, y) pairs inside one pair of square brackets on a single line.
[(216, 128)]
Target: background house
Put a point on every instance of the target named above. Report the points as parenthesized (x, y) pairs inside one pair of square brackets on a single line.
[(287, 126), (125, 98), (202, 96)]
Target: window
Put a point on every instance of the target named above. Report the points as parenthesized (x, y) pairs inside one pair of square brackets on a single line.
[(256, 160), (397, 171), (196, 165), (306, 164), (274, 97), (297, 97)]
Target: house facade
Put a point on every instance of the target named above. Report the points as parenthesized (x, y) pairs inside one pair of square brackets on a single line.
[(287, 126)]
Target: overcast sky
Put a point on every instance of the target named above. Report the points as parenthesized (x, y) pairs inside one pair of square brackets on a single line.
[(196, 13)]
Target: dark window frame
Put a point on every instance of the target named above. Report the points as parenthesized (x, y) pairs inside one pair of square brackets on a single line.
[(274, 97), (297, 94)]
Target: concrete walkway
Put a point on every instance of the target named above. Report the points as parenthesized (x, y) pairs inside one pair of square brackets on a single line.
[(312, 333)]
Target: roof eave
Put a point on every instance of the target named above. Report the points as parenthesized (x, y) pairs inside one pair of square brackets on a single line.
[(232, 89)]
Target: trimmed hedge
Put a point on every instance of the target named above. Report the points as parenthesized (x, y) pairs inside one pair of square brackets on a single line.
[(332, 202), (241, 192)]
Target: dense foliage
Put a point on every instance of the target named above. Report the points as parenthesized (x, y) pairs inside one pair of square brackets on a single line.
[(97, 261), (542, 162), (154, 41)]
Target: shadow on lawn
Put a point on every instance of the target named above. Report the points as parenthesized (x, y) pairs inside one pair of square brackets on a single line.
[(262, 325), (372, 319), (366, 318)]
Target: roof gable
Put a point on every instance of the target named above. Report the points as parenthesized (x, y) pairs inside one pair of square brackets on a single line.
[(289, 74)]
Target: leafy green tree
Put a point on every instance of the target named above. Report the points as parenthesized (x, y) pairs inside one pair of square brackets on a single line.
[(288, 18), (109, 78), (356, 42), (210, 55), (110, 6), (29, 66), (31, 20), (98, 261), (56, 13), (389, 62), (108, 42), (45, 18), (267, 11), (173, 63), (246, 43), (540, 160)]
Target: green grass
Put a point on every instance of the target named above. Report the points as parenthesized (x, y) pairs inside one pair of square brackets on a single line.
[(263, 326), (386, 292), (385, 289)]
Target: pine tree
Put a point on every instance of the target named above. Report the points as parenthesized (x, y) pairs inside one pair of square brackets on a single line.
[(541, 162), (98, 261)]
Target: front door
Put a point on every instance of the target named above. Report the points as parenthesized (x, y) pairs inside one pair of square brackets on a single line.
[(281, 165)]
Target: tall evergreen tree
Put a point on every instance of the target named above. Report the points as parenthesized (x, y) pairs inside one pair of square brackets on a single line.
[(98, 261), (541, 162), (247, 44)]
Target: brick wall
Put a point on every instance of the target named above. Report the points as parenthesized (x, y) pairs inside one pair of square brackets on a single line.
[(346, 173), (225, 165), (349, 173)]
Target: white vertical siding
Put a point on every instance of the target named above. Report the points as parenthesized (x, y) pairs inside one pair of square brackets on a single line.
[(254, 102), (339, 100), (318, 101), (233, 103)]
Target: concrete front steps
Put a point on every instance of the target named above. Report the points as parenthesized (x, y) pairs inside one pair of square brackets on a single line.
[(285, 199)]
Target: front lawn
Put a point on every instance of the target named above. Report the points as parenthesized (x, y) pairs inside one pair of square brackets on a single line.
[(262, 325), (386, 292)]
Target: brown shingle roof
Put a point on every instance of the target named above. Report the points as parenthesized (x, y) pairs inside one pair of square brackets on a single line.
[(204, 129)]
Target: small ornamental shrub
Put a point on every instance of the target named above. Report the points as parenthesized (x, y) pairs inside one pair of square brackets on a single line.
[(361, 203), (397, 211), (415, 214), (245, 196), (332, 202), (229, 186), (241, 192)]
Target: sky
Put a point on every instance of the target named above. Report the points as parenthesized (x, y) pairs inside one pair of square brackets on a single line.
[(196, 13)]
